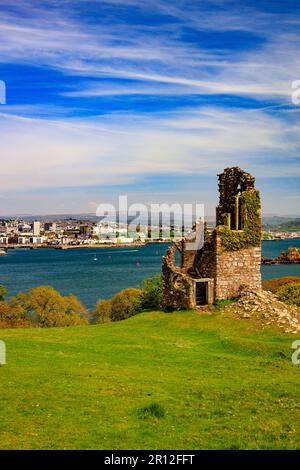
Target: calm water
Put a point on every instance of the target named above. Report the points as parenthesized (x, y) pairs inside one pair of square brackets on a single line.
[(271, 249), (76, 271)]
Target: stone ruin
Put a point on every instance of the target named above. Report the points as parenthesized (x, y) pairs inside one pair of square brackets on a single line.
[(230, 257), (266, 310)]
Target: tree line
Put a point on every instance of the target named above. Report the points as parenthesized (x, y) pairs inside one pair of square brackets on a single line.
[(43, 306)]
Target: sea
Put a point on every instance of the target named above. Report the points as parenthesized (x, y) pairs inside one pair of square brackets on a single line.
[(93, 274)]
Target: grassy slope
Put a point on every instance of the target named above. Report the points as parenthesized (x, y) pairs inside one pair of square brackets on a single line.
[(222, 384)]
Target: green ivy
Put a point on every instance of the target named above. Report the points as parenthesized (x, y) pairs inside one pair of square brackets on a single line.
[(233, 240)]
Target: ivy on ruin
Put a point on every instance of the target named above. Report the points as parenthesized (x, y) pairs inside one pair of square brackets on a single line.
[(250, 235)]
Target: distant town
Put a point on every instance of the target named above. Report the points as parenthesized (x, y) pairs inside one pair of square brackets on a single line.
[(68, 233), (74, 232), (279, 235)]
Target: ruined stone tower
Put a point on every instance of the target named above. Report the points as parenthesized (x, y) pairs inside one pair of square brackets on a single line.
[(231, 254)]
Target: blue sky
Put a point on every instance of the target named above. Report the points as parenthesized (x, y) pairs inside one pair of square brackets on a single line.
[(149, 99)]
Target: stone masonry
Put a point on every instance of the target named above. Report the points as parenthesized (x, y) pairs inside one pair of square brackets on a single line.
[(218, 270)]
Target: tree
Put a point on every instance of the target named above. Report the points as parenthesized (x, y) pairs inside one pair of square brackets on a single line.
[(129, 302), (3, 292), (125, 304), (48, 308), (102, 311), (73, 306), (13, 316), (152, 293)]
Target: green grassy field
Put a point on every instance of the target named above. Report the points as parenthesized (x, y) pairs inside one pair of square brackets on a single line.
[(218, 384)]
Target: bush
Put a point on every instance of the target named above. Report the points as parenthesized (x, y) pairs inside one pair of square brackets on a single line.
[(13, 316), (274, 284), (125, 304), (129, 302), (152, 293), (102, 311), (2, 292), (290, 293), (48, 308)]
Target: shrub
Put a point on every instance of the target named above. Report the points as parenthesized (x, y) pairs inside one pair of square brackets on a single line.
[(13, 316), (102, 311), (130, 301), (152, 293), (2, 292), (274, 284), (73, 307), (125, 304), (289, 293), (48, 308)]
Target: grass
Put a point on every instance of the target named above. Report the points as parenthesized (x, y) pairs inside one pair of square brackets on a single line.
[(154, 409), (155, 381)]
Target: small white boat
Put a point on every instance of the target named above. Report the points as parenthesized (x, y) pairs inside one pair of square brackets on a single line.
[(95, 258), (2, 252)]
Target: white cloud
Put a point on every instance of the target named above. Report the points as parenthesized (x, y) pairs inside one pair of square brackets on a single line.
[(120, 149), (158, 57), (149, 60)]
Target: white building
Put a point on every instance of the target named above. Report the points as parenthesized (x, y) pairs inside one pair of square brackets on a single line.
[(30, 240), (108, 231), (36, 228), (37, 240), (23, 240), (120, 240)]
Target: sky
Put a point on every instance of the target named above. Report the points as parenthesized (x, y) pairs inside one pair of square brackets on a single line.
[(147, 98)]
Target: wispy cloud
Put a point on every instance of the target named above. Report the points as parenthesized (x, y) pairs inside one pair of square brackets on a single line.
[(115, 58), (160, 54), (118, 149)]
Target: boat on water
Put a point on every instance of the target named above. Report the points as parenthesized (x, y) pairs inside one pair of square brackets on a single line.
[(2, 252)]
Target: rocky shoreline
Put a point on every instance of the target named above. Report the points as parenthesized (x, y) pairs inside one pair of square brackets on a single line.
[(292, 256)]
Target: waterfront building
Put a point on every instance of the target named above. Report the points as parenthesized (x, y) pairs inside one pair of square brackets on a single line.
[(36, 228)]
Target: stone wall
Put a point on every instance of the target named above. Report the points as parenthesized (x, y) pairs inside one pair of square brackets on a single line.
[(231, 182), (235, 269), (204, 265), (179, 288)]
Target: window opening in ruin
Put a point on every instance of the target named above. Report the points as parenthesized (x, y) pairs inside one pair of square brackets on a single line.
[(232, 218), (177, 258), (240, 219), (236, 214)]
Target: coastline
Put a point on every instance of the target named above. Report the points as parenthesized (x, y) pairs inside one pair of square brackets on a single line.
[(68, 247), (31, 246), (80, 274)]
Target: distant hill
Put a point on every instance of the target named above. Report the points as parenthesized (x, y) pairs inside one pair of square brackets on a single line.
[(280, 223), (274, 222)]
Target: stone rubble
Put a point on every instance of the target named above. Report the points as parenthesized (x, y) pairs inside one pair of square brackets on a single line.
[(265, 307)]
